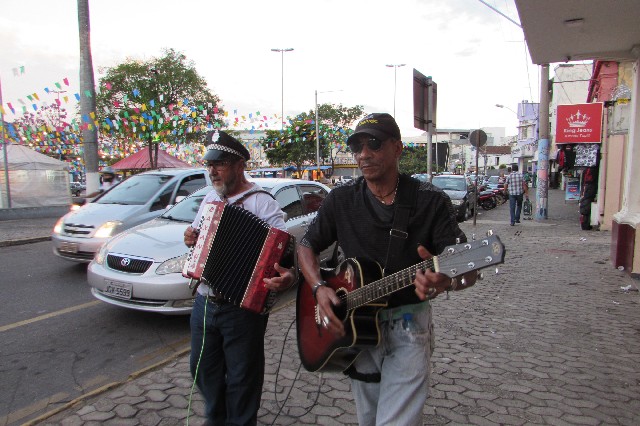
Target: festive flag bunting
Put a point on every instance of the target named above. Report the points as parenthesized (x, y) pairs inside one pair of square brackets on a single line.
[(65, 81), (77, 95)]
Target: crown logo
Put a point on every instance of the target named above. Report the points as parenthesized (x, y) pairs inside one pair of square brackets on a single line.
[(578, 120)]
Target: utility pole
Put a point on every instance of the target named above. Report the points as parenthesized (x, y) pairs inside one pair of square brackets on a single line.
[(542, 190), (4, 151), (282, 51)]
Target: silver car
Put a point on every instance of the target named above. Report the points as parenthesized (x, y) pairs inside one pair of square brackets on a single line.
[(79, 234), (142, 268)]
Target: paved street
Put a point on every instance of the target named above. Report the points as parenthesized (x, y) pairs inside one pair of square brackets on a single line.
[(552, 338)]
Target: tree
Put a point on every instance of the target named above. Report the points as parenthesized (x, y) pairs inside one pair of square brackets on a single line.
[(162, 99), (47, 131), (414, 160), (296, 144)]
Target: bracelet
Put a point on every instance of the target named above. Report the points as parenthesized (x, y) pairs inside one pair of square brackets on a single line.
[(315, 288)]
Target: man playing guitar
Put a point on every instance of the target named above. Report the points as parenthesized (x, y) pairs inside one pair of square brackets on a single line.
[(390, 380)]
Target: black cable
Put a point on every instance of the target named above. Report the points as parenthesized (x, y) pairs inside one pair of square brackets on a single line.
[(275, 387)]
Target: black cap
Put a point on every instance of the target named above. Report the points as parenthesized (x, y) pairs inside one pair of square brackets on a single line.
[(379, 125), (221, 145)]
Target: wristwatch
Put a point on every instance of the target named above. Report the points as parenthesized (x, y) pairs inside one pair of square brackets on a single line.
[(314, 290)]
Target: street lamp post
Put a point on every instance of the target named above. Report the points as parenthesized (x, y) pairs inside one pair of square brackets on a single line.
[(502, 106), (282, 51), (395, 74)]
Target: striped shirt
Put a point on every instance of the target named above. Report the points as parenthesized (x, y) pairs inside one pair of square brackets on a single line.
[(514, 183)]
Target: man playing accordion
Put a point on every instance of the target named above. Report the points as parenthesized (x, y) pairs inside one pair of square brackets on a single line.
[(227, 342)]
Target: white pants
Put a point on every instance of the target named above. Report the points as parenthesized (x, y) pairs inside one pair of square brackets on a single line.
[(403, 359)]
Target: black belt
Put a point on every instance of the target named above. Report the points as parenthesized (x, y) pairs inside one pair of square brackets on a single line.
[(216, 298)]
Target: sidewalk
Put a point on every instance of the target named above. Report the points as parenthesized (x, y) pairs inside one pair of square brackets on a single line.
[(551, 338)]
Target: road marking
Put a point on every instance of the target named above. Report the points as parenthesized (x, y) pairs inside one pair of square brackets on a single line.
[(49, 315), (34, 408)]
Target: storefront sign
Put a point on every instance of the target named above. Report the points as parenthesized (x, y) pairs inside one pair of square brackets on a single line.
[(579, 123), (573, 189)]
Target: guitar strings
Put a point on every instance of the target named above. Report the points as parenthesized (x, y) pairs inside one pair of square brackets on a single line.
[(368, 290)]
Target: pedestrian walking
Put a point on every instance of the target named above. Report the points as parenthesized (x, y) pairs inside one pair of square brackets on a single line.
[(517, 188)]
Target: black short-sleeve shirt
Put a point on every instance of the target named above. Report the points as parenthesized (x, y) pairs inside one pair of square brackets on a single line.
[(348, 216)]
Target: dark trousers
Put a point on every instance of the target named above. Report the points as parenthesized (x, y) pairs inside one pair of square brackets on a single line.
[(515, 207), (227, 352)]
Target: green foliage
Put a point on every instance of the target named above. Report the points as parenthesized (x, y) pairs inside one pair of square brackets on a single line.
[(162, 99), (296, 144), (414, 160), (502, 166)]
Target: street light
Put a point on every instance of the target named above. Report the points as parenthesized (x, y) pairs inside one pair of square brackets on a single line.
[(318, 130), (288, 49), (395, 73), (502, 106)]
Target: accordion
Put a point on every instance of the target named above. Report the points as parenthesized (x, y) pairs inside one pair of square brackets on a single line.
[(234, 252)]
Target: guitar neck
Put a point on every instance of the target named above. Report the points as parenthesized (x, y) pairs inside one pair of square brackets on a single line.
[(387, 285), (454, 261)]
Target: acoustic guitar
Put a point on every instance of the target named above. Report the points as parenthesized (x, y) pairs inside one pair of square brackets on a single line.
[(361, 287)]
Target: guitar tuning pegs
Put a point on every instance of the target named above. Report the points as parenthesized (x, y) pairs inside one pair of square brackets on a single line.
[(473, 237), (489, 232), (480, 276), (457, 240), (497, 271)]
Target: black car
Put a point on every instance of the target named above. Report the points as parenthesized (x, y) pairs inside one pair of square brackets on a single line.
[(462, 192)]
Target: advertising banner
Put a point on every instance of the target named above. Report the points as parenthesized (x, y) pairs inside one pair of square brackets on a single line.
[(579, 123), (573, 189)]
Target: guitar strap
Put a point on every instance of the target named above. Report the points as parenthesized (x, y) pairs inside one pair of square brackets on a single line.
[(406, 199), (406, 196)]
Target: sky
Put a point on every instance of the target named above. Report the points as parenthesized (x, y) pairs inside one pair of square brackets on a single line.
[(341, 48)]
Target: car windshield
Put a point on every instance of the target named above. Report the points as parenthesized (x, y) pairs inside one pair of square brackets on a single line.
[(449, 183), (136, 190), (187, 209), (494, 179)]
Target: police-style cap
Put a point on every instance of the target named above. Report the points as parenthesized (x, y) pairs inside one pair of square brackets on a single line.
[(221, 145), (381, 126)]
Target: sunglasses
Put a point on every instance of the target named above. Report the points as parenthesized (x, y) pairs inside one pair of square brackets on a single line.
[(372, 143)]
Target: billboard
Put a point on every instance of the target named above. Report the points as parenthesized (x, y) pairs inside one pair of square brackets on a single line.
[(579, 123)]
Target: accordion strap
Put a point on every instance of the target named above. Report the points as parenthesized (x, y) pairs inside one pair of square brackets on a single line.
[(250, 193)]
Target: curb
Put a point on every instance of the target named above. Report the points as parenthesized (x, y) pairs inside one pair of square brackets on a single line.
[(23, 241)]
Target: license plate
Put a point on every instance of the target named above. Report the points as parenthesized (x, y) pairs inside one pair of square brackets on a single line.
[(118, 289), (69, 247)]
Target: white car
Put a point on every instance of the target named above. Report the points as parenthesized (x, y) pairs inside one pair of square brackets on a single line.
[(142, 268), (79, 234)]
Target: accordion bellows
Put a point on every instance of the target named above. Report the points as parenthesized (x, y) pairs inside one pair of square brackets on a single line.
[(235, 251)]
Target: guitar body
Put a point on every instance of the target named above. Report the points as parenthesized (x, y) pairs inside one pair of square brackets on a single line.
[(319, 349), (362, 290)]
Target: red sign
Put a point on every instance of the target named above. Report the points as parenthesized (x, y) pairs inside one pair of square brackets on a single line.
[(579, 123)]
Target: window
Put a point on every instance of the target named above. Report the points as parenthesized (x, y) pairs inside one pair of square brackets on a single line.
[(289, 201), (312, 197), (163, 199), (190, 184)]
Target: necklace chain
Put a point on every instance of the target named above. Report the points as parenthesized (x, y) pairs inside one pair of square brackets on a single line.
[(393, 191)]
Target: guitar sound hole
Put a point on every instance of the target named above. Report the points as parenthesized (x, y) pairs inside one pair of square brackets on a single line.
[(341, 309)]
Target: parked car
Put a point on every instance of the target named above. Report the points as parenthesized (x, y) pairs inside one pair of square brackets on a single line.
[(76, 188), (79, 234), (462, 192), (142, 268), (424, 177)]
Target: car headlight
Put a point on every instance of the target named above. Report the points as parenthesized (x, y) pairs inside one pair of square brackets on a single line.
[(172, 266), (107, 229), (57, 228), (102, 254), (457, 202)]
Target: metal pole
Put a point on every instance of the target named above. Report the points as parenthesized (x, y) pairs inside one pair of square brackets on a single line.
[(395, 80), (282, 92), (282, 51), (4, 150), (317, 138), (542, 190)]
